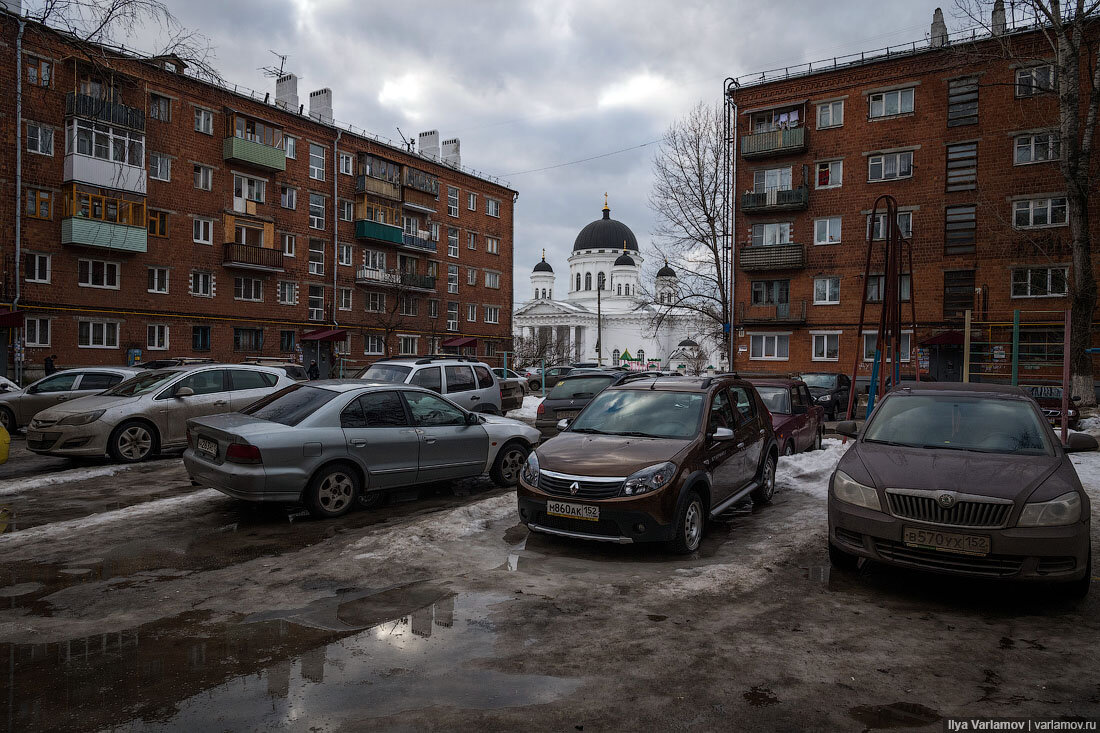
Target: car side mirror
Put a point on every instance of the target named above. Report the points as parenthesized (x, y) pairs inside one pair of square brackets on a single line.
[(472, 418), (722, 434), (1079, 442), (184, 392), (799, 409), (563, 423), (847, 428)]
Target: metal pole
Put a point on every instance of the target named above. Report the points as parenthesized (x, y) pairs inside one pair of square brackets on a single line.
[(731, 194), (1016, 347), (966, 346), (1065, 376)]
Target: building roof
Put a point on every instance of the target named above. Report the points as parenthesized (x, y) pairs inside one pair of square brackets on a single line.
[(543, 266), (624, 259), (666, 271), (688, 343), (606, 233)]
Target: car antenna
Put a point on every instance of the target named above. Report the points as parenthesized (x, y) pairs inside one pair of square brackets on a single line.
[(653, 385)]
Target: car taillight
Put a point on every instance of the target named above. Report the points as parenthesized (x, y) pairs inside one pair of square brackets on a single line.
[(242, 453), (190, 439), (542, 409)]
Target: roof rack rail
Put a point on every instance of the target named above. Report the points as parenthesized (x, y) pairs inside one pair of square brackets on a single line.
[(455, 357)]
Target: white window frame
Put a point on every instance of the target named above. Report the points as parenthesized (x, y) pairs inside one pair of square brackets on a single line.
[(316, 211), (163, 165), (471, 276), (835, 111), (252, 188), (288, 197), (1048, 205), (316, 171), (345, 255), (903, 98), (825, 337), (1049, 278), (471, 240), (43, 136), (32, 273), (1032, 143), (492, 314), (374, 302), (373, 344), (199, 276), (452, 242), (452, 201), (286, 292), (906, 340), (471, 201), (779, 231), (492, 208), (289, 243), (315, 302), (471, 313), (828, 221), (290, 146), (107, 265), (249, 289), (829, 291), (452, 278), (374, 260), (764, 337), (204, 177), (830, 166), (343, 299), (316, 267), (880, 161), (32, 336), (347, 164), (156, 337), (404, 341), (492, 245), (905, 224), (1033, 89), (156, 272), (492, 279), (204, 121), (347, 210), (106, 328)]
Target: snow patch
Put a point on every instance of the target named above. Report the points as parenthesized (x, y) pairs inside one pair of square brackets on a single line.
[(62, 477), (1090, 425), (809, 472), (427, 535), (1088, 470), (529, 410)]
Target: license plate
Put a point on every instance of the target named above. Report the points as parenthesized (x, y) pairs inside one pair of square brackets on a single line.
[(209, 447), (570, 414), (573, 511), (966, 544), (33, 435)]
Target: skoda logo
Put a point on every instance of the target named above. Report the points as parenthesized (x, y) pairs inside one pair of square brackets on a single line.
[(574, 487), (946, 500)]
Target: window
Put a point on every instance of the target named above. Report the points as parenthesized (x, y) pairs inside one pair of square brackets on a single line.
[(888, 104), (202, 284), (958, 293), (375, 302), (248, 188), (345, 254), (248, 339), (776, 119), (408, 305), (764, 235), (373, 344), (1033, 213), (160, 108), (39, 71), (435, 231), (343, 299), (1033, 81), (492, 245), (36, 331), (959, 229), (256, 131), (452, 315), (408, 345), (290, 145), (890, 166), (39, 138), (827, 230), (871, 337), (316, 303), (492, 207), (830, 114), (244, 233), (160, 167), (876, 284), (452, 278), (204, 177), (826, 346), (347, 164), (471, 276), (471, 313), (905, 225), (471, 201), (768, 346), (248, 288), (771, 179), (374, 260), (158, 279), (286, 292), (158, 223), (770, 292), (587, 280), (492, 279), (1039, 282), (97, 274), (316, 211), (287, 340), (452, 201), (204, 121), (156, 337), (200, 338), (37, 268), (288, 197), (316, 257), (202, 231), (471, 240), (830, 174), (1038, 148), (962, 101), (962, 167), (97, 335), (347, 210), (316, 162), (433, 309), (290, 243), (116, 144), (826, 290), (39, 204), (492, 314), (452, 243)]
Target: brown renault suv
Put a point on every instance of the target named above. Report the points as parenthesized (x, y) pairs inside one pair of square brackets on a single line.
[(650, 461)]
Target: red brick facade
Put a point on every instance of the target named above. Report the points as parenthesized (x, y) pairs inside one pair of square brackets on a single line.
[(956, 265), (56, 288)]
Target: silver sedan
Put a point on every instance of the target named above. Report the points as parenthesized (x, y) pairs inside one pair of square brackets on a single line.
[(334, 443)]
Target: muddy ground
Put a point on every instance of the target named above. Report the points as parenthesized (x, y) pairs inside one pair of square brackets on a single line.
[(131, 600)]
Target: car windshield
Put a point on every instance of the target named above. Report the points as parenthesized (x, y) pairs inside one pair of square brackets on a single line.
[(142, 383), (578, 387), (391, 373), (642, 413), (291, 405), (777, 399), (1045, 393), (957, 422), (826, 381)]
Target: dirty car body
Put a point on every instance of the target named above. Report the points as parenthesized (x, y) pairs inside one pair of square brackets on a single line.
[(798, 422), (570, 395)]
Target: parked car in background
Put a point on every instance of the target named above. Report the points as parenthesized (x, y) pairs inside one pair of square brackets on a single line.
[(799, 424), (574, 392), (507, 375), (962, 479), (511, 396), (173, 361), (1050, 402), (552, 376), (147, 413), (6, 385), (334, 443), (650, 461), (18, 406), (830, 390), (585, 365), (292, 369), (465, 380)]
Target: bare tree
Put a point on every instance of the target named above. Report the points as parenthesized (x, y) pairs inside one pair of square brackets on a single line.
[(541, 348), (1069, 30), (695, 360), (689, 200)]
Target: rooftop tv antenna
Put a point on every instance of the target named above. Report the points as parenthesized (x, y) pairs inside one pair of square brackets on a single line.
[(271, 70), (409, 142)]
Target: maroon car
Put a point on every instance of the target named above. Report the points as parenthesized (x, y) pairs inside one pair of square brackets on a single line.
[(798, 422), (1050, 402)]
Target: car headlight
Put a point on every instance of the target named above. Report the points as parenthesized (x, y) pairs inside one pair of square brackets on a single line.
[(1065, 509), (82, 419), (649, 479), (847, 489), (824, 398), (530, 472)]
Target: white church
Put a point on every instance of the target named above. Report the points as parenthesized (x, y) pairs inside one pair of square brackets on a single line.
[(606, 304)]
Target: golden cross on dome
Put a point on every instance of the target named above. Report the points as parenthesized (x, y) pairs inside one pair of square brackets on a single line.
[(544, 254), (605, 200)]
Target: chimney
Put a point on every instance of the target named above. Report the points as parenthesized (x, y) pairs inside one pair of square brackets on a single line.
[(999, 24), (286, 92), (452, 155), (939, 29), (429, 144), (320, 105)]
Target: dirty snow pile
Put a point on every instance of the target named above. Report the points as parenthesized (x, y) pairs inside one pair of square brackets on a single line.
[(61, 477), (1088, 470), (1090, 425), (809, 472), (529, 409)]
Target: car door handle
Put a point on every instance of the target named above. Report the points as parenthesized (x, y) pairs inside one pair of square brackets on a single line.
[(740, 445), (221, 402), (62, 399), (359, 443), (429, 441), (475, 398)]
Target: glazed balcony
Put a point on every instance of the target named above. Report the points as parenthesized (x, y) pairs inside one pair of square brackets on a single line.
[(773, 142), (772, 257), (250, 152), (791, 199), (367, 229), (252, 257), (418, 241), (377, 187), (784, 313), (103, 222), (394, 278)]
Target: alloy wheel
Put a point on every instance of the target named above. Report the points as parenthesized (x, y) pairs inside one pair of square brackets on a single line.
[(135, 442), (335, 492), (511, 464)]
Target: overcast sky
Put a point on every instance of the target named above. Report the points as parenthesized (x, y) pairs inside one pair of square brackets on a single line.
[(527, 85)]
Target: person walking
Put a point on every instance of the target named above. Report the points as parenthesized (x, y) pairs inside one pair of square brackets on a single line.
[(313, 372), (49, 364)]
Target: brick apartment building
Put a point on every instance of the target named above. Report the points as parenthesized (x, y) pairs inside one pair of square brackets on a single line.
[(169, 216), (963, 137)]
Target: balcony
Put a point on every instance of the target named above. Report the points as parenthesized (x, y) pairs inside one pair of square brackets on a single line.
[(394, 278), (420, 201), (105, 173), (101, 110), (367, 229), (377, 187), (773, 257), (102, 234), (418, 241), (791, 199), (784, 313), (251, 257), (250, 152), (775, 142)]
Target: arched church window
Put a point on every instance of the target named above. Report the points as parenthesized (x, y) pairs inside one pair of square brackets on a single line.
[(578, 281), (601, 281), (641, 356), (615, 357), (588, 281), (536, 293), (620, 291)]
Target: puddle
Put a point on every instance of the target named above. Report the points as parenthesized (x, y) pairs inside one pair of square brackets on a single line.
[(359, 655), (760, 697), (895, 715)]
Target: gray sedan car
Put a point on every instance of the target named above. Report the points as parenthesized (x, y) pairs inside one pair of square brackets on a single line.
[(334, 443), (18, 406)]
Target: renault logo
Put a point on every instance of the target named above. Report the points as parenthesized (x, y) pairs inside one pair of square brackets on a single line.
[(574, 487), (946, 500)]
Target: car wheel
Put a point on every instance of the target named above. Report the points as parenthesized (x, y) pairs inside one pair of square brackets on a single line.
[(842, 560), (371, 499), (688, 532), (332, 491), (788, 450), (510, 459), (817, 441), (536, 386), (7, 419), (766, 490), (132, 442)]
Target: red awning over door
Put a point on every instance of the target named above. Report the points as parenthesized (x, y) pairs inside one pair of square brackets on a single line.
[(329, 334), (460, 341), (11, 319)]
